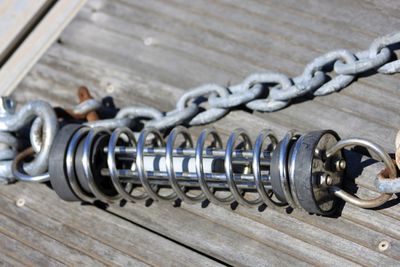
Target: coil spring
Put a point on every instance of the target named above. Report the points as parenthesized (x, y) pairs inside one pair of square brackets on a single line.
[(252, 163)]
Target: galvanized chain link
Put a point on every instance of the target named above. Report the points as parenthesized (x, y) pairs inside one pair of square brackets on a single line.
[(265, 92), (12, 122)]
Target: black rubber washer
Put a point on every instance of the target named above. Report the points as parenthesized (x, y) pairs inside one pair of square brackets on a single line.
[(303, 174), (57, 157)]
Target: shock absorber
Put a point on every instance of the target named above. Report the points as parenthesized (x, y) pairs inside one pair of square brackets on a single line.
[(88, 164)]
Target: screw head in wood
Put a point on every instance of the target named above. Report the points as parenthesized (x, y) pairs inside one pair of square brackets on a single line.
[(20, 202)]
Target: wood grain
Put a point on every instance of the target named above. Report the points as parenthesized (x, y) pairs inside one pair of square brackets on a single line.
[(16, 19), (223, 41), (36, 43)]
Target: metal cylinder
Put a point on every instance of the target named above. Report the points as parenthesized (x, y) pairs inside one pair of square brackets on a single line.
[(97, 164)]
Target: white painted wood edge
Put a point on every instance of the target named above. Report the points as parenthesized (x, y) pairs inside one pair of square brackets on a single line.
[(16, 19), (36, 44)]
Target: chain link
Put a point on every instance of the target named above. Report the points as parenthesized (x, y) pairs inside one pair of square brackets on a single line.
[(12, 123)]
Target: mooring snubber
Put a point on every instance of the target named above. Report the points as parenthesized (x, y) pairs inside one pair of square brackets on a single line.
[(302, 170)]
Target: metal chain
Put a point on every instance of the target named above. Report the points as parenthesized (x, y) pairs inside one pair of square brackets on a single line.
[(279, 88), (205, 104)]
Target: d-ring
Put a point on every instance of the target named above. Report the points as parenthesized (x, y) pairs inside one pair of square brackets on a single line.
[(379, 151)]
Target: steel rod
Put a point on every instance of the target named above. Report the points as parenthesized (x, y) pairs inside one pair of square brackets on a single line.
[(214, 180), (209, 152)]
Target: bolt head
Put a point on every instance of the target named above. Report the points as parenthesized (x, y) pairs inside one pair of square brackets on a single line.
[(340, 165), (329, 180), (326, 179)]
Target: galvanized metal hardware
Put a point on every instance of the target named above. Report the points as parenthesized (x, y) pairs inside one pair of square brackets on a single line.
[(8, 143), (303, 170), (41, 137)]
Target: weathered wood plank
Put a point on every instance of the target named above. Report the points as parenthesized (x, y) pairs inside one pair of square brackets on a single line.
[(7, 261), (65, 235), (38, 41), (16, 18), (99, 234), (44, 244), (210, 238), (28, 256), (149, 53)]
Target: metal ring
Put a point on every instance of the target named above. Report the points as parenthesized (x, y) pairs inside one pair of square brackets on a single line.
[(112, 165), (291, 170), (25, 177), (70, 166), (87, 168), (257, 151), (363, 203), (199, 166), (140, 164), (169, 161), (230, 146), (283, 166)]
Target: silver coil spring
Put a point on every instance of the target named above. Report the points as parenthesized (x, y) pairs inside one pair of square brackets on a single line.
[(208, 166)]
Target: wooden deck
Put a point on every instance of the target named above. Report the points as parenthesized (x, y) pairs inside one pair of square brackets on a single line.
[(149, 53)]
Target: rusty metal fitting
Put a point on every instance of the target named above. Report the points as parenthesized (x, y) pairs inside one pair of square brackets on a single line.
[(83, 95)]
